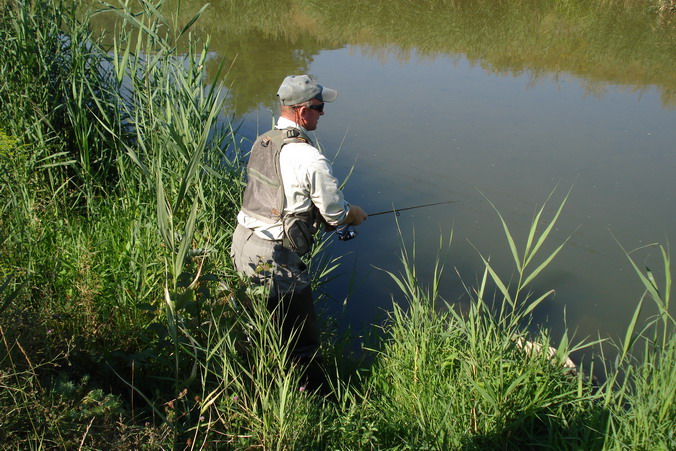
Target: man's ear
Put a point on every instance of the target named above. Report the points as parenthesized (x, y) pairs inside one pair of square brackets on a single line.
[(301, 112)]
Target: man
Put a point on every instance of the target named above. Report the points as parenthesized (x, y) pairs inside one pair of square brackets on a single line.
[(290, 191)]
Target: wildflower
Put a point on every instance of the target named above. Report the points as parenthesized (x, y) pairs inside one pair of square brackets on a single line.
[(302, 388)]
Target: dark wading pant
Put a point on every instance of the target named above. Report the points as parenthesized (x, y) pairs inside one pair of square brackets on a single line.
[(264, 262)]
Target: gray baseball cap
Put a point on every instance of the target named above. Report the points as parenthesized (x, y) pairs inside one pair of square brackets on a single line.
[(297, 89)]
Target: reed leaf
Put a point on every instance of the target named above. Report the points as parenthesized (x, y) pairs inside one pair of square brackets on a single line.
[(533, 228), (131, 152), (186, 240), (629, 337), (545, 233), (189, 174), (666, 262), (532, 305), (55, 164), (164, 216), (499, 283), (510, 239), (645, 279), (488, 397), (544, 264)]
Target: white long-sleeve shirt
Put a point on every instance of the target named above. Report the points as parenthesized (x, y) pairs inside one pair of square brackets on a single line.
[(308, 179)]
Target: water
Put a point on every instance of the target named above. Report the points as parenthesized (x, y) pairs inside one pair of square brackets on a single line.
[(469, 101), (465, 132)]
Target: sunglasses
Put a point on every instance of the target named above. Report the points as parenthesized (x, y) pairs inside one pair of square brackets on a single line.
[(319, 107)]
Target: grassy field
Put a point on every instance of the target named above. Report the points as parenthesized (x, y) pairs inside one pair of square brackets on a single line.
[(121, 318)]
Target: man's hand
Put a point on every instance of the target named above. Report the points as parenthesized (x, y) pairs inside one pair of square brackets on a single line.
[(355, 216)]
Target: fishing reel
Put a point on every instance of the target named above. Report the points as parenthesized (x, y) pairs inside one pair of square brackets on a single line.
[(346, 232)]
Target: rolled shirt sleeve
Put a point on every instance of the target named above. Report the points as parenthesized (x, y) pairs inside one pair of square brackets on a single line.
[(325, 192)]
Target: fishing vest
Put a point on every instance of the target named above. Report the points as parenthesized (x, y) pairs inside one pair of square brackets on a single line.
[(264, 193)]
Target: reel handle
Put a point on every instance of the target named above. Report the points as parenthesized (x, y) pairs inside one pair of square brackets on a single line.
[(346, 232)]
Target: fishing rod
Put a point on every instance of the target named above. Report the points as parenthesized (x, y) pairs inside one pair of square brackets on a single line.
[(347, 232), (397, 210)]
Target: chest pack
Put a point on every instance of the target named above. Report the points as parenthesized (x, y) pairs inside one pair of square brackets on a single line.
[(264, 193)]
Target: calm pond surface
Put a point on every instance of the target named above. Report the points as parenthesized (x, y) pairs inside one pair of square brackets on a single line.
[(446, 100)]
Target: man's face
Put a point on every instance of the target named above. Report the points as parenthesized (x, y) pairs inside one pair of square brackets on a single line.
[(309, 115)]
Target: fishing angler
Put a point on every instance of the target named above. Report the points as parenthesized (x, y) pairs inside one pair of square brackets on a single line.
[(290, 192)]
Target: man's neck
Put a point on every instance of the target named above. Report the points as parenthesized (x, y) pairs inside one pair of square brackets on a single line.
[(285, 122)]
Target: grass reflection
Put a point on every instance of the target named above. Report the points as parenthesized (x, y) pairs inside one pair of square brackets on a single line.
[(602, 42)]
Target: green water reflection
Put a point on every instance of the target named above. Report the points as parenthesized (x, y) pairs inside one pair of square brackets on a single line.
[(601, 42)]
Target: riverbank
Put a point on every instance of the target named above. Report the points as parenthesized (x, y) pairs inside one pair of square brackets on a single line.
[(120, 311)]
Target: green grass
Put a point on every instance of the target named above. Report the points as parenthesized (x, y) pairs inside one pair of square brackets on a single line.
[(123, 323)]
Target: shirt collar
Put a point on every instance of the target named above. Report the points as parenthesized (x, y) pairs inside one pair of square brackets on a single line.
[(283, 123)]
